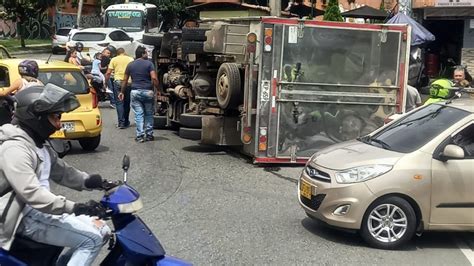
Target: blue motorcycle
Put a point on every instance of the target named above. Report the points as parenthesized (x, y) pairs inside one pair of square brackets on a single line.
[(132, 243)]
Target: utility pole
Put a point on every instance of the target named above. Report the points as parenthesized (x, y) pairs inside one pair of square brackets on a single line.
[(79, 12), (404, 6), (275, 8)]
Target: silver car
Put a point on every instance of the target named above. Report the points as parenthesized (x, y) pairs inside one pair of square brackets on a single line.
[(412, 175)]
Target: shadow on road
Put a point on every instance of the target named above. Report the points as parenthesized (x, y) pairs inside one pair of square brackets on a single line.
[(204, 149), (428, 240)]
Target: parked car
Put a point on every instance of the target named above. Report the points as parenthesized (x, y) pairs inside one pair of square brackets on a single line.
[(96, 39), (60, 39), (414, 174), (4, 54), (83, 124)]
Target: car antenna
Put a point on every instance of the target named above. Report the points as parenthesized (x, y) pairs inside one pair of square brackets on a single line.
[(49, 57)]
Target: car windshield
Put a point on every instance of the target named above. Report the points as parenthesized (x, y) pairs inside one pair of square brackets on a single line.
[(415, 130), (63, 32), (128, 20), (72, 81), (88, 37)]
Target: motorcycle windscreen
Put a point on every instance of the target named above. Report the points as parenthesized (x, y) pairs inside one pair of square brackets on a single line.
[(335, 85)]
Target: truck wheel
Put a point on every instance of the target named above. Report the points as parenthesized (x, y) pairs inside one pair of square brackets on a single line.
[(152, 39), (192, 47), (191, 120), (388, 223), (159, 121), (194, 34), (89, 144), (190, 133), (228, 86)]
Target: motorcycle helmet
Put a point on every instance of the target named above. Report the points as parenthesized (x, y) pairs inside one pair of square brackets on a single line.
[(112, 50), (28, 68), (33, 105), (79, 46), (441, 88)]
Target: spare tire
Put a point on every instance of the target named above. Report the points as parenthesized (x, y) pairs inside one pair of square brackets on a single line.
[(152, 39), (228, 86), (190, 133), (192, 47), (159, 121), (194, 34)]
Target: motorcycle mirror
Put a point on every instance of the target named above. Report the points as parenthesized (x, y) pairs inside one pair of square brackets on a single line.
[(125, 162)]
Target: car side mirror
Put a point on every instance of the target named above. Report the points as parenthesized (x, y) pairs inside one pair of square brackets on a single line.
[(131, 39), (452, 151)]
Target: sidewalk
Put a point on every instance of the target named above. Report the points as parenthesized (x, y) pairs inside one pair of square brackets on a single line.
[(31, 49)]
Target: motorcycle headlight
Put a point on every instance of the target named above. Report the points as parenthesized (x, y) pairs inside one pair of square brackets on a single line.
[(130, 207), (362, 173)]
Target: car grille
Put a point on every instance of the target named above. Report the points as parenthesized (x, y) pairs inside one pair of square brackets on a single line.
[(317, 174), (315, 201)]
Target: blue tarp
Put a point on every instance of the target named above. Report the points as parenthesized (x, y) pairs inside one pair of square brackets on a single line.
[(419, 34)]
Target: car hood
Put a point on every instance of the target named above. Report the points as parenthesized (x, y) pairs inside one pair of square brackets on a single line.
[(352, 154)]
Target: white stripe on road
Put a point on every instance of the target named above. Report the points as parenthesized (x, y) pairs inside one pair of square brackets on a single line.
[(465, 249)]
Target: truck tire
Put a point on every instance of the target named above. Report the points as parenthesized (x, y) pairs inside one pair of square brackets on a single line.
[(191, 120), (190, 133), (194, 34), (152, 39), (159, 121), (192, 47), (228, 86)]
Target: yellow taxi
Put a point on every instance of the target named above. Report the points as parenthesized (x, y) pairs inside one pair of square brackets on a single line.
[(83, 124)]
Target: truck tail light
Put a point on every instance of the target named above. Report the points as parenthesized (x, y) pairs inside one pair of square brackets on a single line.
[(262, 139), (268, 40), (247, 137)]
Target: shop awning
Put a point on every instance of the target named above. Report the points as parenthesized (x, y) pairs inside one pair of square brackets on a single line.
[(447, 12), (366, 12)]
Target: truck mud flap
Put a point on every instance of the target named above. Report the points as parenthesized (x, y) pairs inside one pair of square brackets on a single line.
[(220, 130)]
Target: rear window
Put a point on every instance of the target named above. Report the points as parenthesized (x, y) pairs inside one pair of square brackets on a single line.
[(72, 81), (88, 37), (63, 32)]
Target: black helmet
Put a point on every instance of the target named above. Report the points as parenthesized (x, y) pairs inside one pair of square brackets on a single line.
[(28, 68), (112, 50), (79, 46), (34, 104)]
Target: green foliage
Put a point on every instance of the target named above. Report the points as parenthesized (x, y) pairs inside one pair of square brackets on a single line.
[(382, 5), (26, 8), (332, 12)]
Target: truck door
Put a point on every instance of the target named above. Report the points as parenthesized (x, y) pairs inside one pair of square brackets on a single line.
[(335, 82)]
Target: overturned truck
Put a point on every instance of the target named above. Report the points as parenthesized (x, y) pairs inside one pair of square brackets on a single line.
[(281, 89)]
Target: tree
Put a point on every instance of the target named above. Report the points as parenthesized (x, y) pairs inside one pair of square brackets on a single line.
[(21, 10), (332, 12)]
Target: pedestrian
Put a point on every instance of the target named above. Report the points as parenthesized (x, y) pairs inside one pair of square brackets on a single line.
[(105, 59), (28, 164), (413, 98), (142, 94), (459, 77), (118, 65)]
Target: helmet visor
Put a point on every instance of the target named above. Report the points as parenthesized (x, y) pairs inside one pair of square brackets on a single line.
[(55, 99)]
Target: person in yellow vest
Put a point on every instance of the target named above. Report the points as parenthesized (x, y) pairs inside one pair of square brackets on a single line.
[(118, 65)]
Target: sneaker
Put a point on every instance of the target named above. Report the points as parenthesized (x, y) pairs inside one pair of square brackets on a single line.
[(140, 139), (149, 138), (112, 106), (108, 90)]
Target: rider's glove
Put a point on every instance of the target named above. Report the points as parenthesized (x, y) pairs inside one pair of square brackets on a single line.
[(94, 181), (91, 208)]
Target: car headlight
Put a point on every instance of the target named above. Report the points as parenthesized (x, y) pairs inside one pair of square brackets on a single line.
[(362, 173)]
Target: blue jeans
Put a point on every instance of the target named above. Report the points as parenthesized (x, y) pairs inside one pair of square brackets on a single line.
[(143, 104), (122, 107), (112, 96), (79, 233)]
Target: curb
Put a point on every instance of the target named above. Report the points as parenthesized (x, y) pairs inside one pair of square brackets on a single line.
[(45, 50)]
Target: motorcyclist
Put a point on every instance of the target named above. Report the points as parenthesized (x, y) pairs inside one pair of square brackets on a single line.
[(28, 164), (440, 90), (28, 70), (84, 59)]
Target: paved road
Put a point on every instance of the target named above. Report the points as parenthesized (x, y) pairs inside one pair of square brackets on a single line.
[(211, 206)]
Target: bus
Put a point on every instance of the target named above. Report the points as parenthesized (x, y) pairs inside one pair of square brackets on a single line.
[(134, 18)]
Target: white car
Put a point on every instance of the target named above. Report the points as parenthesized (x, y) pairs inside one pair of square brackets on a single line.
[(60, 39), (96, 39)]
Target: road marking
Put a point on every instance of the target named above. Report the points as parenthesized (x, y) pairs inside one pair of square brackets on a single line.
[(465, 249)]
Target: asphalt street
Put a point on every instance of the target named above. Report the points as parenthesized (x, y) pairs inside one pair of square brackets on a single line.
[(211, 205)]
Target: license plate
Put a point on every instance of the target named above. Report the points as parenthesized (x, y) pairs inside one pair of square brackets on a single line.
[(305, 189), (67, 126), (85, 49)]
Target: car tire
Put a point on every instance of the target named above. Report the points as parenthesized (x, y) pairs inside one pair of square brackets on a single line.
[(159, 121), (153, 39), (191, 120), (193, 34), (395, 217), (228, 86), (90, 144), (192, 47), (190, 133)]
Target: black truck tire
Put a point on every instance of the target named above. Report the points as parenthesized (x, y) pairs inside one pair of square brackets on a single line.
[(190, 133), (191, 120), (152, 39), (194, 34), (192, 47), (228, 86), (159, 121)]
